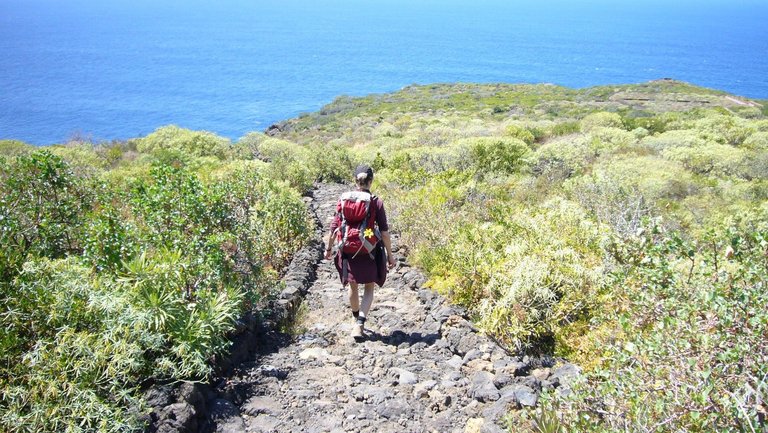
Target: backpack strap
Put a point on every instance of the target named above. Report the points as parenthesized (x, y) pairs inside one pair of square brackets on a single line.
[(371, 212)]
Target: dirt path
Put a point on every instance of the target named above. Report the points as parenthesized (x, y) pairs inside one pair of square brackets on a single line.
[(422, 367)]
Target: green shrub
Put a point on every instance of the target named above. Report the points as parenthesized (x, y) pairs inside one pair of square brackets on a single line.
[(497, 155), (188, 142), (85, 342), (387, 129), (616, 204), (674, 138), (640, 133), (275, 150), (81, 157), (415, 166), (330, 163), (519, 132), (620, 192), (171, 206), (601, 119), (710, 159), (64, 367), (297, 164), (427, 214), (724, 129), (565, 128), (688, 336), (562, 157), (652, 124), (749, 112), (279, 224), (41, 204), (654, 178), (105, 287), (225, 171), (757, 141), (546, 279), (115, 152), (247, 146), (14, 148), (124, 176), (761, 125), (755, 166), (109, 238), (606, 139)]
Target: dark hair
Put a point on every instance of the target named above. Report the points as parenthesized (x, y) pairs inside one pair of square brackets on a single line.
[(363, 174)]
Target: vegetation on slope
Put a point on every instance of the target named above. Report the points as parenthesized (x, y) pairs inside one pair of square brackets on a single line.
[(623, 227), (127, 263)]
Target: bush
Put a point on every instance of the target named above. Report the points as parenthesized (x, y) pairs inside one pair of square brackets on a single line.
[(172, 206), (565, 128), (330, 163), (621, 192), (62, 365), (497, 155), (299, 165), (601, 119), (687, 334), (606, 139), (415, 166), (279, 224), (674, 138), (562, 158), (523, 134), (273, 149), (188, 142), (462, 261), (652, 124), (757, 141), (724, 129), (110, 238), (755, 166), (711, 159), (81, 157), (640, 133), (546, 279), (654, 178), (248, 145), (41, 205), (428, 214), (14, 148), (82, 343), (107, 289), (761, 125), (123, 177)]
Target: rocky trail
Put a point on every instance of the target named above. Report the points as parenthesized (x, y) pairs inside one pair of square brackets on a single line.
[(421, 368)]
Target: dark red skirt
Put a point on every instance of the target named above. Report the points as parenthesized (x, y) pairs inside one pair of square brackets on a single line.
[(362, 269)]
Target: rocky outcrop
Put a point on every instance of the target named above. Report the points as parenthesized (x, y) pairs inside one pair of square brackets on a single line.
[(423, 366)]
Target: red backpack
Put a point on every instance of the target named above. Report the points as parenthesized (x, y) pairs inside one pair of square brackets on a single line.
[(357, 232)]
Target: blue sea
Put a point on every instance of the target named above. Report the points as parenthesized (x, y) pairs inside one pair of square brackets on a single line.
[(121, 68)]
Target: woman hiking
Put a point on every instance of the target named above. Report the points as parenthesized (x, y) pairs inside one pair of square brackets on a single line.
[(360, 235)]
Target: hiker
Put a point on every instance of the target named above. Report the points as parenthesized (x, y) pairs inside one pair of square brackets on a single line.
[(360, 234)]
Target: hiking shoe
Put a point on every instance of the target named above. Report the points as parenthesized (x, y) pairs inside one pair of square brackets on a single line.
[(357, 332)]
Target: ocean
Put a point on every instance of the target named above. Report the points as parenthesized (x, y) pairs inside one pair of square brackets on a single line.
[(118, 69)]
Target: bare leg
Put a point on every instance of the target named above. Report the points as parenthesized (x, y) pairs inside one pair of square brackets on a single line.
[(354, 303), (354, 297), (367, 299)]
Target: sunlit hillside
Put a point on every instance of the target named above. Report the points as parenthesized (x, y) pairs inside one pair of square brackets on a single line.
[(624, 228), (621, 227)]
